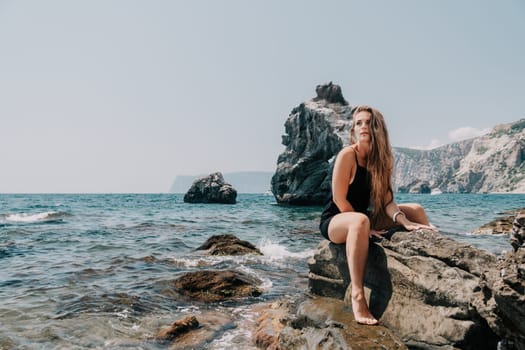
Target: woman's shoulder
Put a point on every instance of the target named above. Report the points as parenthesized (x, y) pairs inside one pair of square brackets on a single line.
[(348, 154), (347, 151)]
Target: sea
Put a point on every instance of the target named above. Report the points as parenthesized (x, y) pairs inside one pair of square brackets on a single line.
[(95, 271)]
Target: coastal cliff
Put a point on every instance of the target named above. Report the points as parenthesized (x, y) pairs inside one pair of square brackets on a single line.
[(494, 162)]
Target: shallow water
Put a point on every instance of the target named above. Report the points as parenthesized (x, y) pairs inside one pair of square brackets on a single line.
[(95, 271)]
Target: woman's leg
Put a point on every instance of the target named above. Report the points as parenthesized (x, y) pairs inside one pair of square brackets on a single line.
[(354, 229), (414, 212)]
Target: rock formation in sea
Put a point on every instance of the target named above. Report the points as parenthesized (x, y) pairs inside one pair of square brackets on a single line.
[(503, 224), (433, 292), (317, 129), (227, 244), (315, 132), (217, 285), (242, 181), (211, 189)]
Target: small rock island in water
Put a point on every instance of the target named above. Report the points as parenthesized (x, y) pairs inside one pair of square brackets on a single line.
[(211, 189)]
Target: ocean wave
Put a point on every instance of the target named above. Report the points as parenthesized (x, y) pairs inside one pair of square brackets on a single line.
[(276, 251), (27, 218), (273, 254)]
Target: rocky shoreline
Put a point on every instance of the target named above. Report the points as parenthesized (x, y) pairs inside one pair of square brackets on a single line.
[(427, 290)]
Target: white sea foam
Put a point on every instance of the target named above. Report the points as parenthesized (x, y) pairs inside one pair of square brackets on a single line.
[(240, 336), (28, 218), (276, 251), (272, 252), (191, 262), (266, 283)]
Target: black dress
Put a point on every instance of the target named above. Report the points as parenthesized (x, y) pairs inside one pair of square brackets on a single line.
[(358, 195)]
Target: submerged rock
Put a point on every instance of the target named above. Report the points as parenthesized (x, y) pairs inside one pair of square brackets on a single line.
[(217, 285), (195, 333), (502, 224), (228, 244), (178, 328), (211, 189), (431, 291)]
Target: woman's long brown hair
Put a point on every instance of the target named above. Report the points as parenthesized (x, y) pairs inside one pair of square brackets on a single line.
[(380, 163)]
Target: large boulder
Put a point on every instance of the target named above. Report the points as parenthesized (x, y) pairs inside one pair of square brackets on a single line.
[(211, 189), (316, 131), (432, 291)]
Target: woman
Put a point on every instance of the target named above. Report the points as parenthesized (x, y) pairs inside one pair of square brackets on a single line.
[(362, 179)]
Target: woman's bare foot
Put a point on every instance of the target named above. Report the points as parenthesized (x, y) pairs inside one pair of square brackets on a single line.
[(361, 313)]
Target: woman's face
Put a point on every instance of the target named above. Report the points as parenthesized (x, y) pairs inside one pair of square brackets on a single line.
[(362, 126)]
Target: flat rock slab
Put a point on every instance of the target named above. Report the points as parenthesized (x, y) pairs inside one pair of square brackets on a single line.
[(319, 323)]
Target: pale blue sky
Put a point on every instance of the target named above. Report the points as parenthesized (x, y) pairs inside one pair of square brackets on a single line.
[(122, 96)]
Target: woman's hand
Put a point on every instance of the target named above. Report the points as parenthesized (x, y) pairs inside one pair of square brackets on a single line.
[(411, 226), (377, 233)]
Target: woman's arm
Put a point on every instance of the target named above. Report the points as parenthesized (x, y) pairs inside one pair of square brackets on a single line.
[(394, 213), (399, 217), (343, 174)]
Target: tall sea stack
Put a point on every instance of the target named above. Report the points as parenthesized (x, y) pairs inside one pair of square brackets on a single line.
[(315, 132)]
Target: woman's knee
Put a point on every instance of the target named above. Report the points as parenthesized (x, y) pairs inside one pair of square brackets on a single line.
[(360, 223), (412, 207)]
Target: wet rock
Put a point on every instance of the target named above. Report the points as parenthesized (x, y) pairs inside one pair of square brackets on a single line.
[(217, 285), (502, 224), (228, 245), (318, 323), (424, 287), (517, 236), (270, 323), (195, 333), (178, 328), (211, 189)]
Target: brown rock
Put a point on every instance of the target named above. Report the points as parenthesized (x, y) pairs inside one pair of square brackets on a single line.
[(228, 245), (178, 328), (502, 224), (271, 322), (217, 285), (190, 333), (517, 237)]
